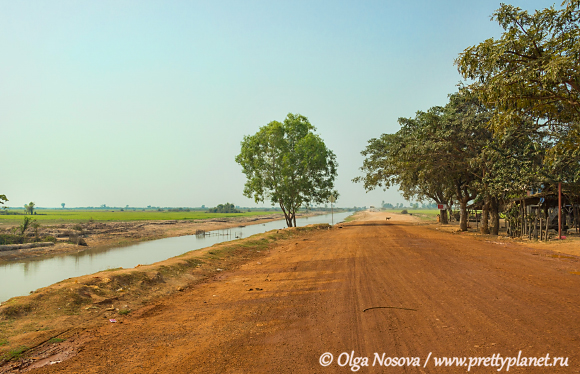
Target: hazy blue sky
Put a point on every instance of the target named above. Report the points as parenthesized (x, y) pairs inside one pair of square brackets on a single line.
[(146, 102)]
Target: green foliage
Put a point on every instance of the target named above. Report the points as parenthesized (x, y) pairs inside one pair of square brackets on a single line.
[(224, 208), (29, 208), (50, 238), (288, 164), (404, 211), (35, 225), (3, 199), (25, 224), (11, 239), (531, 71), (450, 154), (15, 354)]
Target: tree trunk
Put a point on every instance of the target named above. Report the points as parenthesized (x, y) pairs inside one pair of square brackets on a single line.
[(443, 216), (463, 214), (287, 215), (484, 229), (494, 213)]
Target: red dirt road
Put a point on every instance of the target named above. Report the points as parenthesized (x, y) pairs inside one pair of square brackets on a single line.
[(446, 294)]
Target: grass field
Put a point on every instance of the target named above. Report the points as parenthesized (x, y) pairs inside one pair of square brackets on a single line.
[(59, 215)]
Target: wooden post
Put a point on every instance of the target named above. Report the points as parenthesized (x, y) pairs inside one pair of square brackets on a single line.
[(522, 209), (536, 225), (560, 210)]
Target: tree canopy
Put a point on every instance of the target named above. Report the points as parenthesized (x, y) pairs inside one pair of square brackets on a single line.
[(224, 208), (515, 128), (288, 164), (29, 207), (531, 71), (449, 154)]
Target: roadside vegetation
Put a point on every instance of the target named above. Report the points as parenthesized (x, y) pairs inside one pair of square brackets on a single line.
[(512, 133)]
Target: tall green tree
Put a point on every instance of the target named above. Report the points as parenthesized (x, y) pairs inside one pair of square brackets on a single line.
[(437, 154), (400, 160), (288, 164), (531, 71), (29, 207), (3, 199)]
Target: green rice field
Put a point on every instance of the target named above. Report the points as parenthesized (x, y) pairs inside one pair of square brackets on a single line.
[(59, 215)]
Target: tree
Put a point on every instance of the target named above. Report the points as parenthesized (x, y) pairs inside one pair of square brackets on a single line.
[(29, 208), (288, 164), (531, 71), (224, 208), (3, 199), (62, 204), (400, 159), (25, 224), (436, 155)]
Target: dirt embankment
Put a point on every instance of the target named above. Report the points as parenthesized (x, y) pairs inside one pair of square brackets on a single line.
[(110, 234), (31, 326)]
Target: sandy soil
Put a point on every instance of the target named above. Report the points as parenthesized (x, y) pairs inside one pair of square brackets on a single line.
[(366, 215), (365, 286)]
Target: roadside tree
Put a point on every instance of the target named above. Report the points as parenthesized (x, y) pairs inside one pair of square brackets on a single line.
[(435, 155), (400, 160), (531, 71), (288, 164)]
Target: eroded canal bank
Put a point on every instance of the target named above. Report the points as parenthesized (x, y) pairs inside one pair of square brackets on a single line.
[(60, 311), (27, 275)]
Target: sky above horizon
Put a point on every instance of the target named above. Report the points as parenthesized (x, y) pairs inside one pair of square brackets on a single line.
[(146, 102)]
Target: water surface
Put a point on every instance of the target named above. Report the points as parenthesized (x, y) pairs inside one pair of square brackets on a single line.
[(20, 277)]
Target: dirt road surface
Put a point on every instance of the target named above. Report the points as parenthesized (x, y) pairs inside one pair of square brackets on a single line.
[(432, 292)]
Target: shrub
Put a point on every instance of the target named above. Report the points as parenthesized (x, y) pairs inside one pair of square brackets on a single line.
[(404, 211), (50, 238), (11, 239)]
